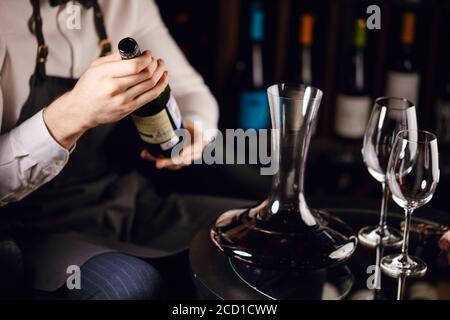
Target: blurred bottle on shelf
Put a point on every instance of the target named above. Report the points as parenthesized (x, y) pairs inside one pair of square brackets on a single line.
[(253, 105), (403, 78), (443, 112), (182, 20), (186, 21), (353, 102), (352, 108), (303, 71), (442, 106)]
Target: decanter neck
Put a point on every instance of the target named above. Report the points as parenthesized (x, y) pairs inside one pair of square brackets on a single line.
[(292, 150)]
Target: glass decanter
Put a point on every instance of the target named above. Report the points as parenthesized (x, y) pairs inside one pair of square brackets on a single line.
[(283, 231)]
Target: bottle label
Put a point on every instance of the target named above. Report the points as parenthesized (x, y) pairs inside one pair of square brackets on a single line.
[(156, 129), (352, 114), (254, 110), (171, 143), (443, 120), (174, 112), (403, 85)]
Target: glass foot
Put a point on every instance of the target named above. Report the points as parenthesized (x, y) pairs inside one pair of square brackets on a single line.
[(397, 266), (370, 237)]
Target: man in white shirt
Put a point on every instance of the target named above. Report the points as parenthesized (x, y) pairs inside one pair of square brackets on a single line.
[(71, 52), (58, 191)]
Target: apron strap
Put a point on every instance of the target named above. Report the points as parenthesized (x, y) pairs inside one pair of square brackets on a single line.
[(104, 41), (42, 49)]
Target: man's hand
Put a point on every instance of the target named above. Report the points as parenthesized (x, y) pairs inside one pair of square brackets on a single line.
[(189, 153), (444, 243), (107, 92)]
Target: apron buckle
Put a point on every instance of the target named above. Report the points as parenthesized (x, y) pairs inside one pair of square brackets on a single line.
[(105, 45), (42, 53)]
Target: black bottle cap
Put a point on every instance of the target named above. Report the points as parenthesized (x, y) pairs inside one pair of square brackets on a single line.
[(128, 48)]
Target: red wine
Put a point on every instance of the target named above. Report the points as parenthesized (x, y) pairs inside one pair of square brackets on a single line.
[(158, 120), (291, 242)]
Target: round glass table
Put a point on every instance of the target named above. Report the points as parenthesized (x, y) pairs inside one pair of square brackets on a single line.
[(217, 276)]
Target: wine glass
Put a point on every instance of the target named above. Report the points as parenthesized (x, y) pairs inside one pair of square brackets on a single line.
[(389, 116), (413, 175)]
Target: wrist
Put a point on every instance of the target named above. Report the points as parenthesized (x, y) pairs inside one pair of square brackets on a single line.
[(65, 126)]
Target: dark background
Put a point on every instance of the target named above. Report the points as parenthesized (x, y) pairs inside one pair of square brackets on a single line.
[(212, 33)]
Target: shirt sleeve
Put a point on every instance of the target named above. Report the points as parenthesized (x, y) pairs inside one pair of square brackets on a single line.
[(193, 96), (29, 158)]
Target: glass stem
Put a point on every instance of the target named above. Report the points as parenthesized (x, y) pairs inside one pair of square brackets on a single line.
[(379, 256), (401, 288), (384, 205), (408, 214)]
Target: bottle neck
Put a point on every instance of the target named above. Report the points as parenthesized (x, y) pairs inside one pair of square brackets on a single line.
[(305, 41), (306, 31), (305, 66), (360, 83), (354, 74), (407, 36), (407, 41), (404, 59), (257, 76)]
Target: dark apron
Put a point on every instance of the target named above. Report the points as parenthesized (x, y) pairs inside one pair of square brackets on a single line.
[(91, 207)]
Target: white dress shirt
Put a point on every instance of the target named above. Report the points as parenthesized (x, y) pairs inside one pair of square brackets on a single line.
[(29, 156)]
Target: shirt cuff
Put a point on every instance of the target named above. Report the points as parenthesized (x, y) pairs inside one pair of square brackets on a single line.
[(32, 139)]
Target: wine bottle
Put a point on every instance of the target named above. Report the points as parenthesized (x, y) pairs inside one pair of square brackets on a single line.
[(158, 120), (403, 79), (253, 103), (353, 101), (303, 71)]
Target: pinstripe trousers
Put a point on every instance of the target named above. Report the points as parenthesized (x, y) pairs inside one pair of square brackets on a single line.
[(113, 276)]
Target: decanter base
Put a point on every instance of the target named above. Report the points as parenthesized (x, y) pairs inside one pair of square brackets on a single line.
[(284, 240), (331, 284)]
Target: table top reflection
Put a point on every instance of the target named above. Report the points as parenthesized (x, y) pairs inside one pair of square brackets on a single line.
[(219, 277)]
